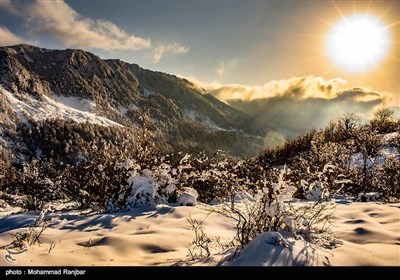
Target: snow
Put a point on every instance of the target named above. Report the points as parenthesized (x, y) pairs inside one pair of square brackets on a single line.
[(243, 196), (80, 104), (370, 196), (6, 210), (28, 58), (161, 235), (387, 151), (124, 110), (148, 187), (145, 235), (38, 152), (63, 111), (18, 106), (357, 160), (388, 137), (12, 51), (68, 108), (209, 123), (142, 188), (206, 121), (188, 197), (129, 164), (275, 249), (147, 93), (191, 114)]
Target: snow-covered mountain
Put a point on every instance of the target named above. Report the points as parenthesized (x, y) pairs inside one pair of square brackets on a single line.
[(38, 84)]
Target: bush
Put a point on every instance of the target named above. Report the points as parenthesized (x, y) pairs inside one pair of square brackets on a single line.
[(144, 187), (272, 210), (133, 172)]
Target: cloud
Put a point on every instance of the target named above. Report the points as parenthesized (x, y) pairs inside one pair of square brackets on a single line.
[(160, 50), (221, 68), (294, 106), (10, 7), (207, 87), (73, 30), (7, 38), (291, 115), (303, 87), (274, 138)]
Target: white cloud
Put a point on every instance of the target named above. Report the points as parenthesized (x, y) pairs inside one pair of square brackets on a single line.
[(160, 50), (303, 87), (60, 20), (221, 68), (298, 87), (199, 84), (7, 38)]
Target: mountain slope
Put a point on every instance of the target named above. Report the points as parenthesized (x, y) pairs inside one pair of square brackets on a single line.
[(40, 84)]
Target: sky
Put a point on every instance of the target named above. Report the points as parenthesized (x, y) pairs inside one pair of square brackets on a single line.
[(239, 50)]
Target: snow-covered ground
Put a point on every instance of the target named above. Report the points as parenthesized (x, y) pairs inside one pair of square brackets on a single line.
[(67, 108), (162, 236), (206, 121), (143, 236)]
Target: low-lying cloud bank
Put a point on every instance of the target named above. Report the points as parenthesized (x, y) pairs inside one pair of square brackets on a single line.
[(293, 106), (300, 88)]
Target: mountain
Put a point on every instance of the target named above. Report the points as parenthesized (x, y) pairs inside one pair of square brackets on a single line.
[(42, 87)]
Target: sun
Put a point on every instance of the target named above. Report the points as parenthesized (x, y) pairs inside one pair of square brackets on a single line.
[(358, 42)]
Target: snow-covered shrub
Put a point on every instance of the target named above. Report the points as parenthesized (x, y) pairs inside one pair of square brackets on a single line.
[(273, 209), (371, 196), (165, 181), (317, 185), (138, 190), (145, 187), (188, 197)]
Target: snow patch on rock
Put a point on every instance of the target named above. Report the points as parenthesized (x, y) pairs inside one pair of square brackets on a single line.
[(68, 108)]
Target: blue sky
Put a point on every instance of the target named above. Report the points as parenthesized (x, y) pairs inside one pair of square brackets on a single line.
[(216, 42)]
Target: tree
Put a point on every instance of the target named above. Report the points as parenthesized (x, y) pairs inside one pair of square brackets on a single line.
[(347, 125), (145, 142), (383, 121), (368, 144)]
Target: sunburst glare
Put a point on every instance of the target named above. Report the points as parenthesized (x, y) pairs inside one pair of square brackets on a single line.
[(358, 42)]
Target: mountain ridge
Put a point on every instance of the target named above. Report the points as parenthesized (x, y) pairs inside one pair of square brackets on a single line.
[(36, 79)]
